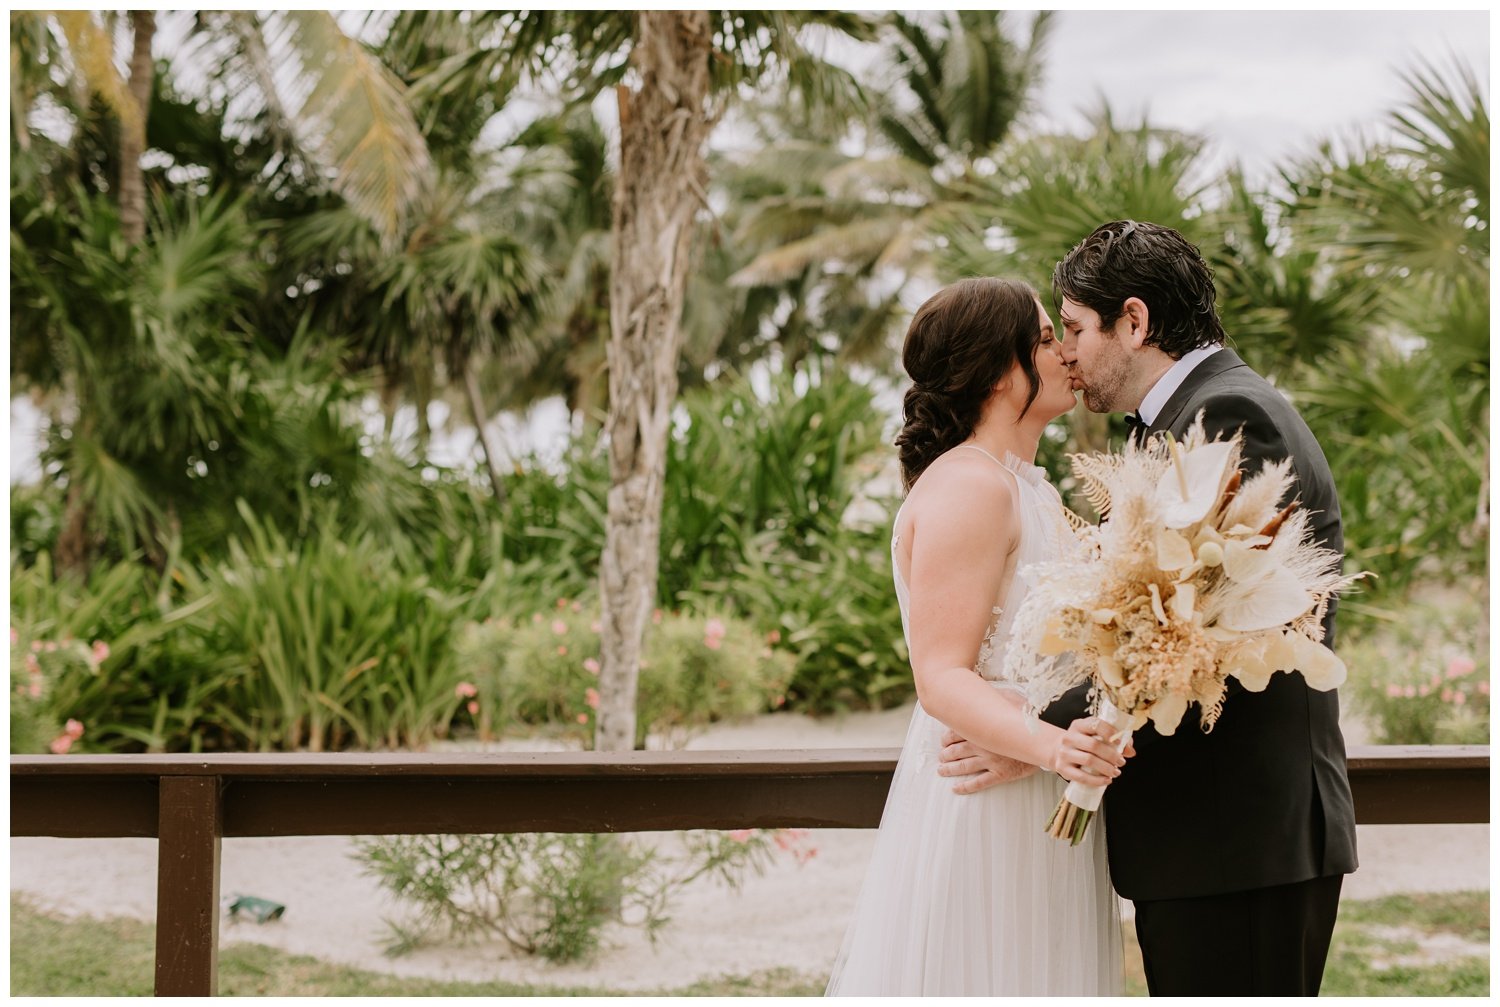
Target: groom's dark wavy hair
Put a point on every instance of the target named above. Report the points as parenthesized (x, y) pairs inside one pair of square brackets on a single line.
[(960, 343), (1125, 259)]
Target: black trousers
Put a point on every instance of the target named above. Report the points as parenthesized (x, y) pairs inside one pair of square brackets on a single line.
[(1263, 942)]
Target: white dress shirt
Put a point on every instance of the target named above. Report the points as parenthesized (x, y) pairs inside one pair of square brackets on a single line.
[(1156, 398)]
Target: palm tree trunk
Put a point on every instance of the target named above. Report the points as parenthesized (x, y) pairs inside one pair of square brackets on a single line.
[(481, 423), (663, 127), (133, 135)]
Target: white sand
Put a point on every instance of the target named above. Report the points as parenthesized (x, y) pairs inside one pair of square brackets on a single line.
[(793, 916)]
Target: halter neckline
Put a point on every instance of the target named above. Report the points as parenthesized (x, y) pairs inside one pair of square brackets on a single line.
[(1033, 474)]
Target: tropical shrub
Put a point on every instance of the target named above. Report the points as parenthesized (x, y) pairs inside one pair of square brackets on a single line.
[(335, 644), (149, 677), (547, 894), (542, 669), (1424, 679)]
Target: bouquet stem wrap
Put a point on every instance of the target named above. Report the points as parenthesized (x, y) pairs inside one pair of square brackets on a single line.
[(1070, 819)]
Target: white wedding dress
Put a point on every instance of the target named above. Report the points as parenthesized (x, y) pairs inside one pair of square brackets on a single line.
[(966, 895)]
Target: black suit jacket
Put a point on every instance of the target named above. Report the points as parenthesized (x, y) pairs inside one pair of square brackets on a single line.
[(1264, 798)]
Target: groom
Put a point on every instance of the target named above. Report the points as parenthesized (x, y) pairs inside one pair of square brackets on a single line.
[(1232, 844)]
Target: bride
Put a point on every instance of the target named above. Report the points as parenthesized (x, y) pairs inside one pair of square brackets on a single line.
[(965, 894)]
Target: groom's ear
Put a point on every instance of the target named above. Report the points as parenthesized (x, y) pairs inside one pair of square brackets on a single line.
[(1135, 322)]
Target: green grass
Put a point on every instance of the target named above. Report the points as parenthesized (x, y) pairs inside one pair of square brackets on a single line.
[(57, 957)]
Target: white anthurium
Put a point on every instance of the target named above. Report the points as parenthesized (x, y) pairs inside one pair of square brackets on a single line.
[(1183, 600), (1248, 663), (1205, 534), (1173, 551), (1278, 598), (1322, 668), (1166, 714), (1192, 485), (1280, 654), (1244, 564)]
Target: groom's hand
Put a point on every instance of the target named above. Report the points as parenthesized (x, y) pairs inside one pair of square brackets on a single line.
[(979, 767)]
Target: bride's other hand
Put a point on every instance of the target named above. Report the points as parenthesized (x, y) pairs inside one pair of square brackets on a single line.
[(980, 767), (1086, 754)]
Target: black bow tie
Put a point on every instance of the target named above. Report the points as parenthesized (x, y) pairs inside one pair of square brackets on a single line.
[(1135, 428)]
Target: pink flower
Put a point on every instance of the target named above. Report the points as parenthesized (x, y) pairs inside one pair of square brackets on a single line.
[(100, 650), (596, 626), (473, 707), (61, 744), (14, 636), (779, 701), (591, 697), (583, 718), (465, 690), (562, 651), (577, 606), (740, 835), (1459, 667), (34, 690), (1393, 691), (774, 636), (713, 642), (562, 603), (656, 617), (591, 666), (537, 617), (1411, 692), (50, 646), (559, 627), (36, 646), (1484, 688), (1459, 699), (73, 729), (1447, 696), (33, 666), (714, 627)]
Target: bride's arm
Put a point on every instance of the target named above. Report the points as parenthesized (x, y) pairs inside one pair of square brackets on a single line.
[(961, 537)]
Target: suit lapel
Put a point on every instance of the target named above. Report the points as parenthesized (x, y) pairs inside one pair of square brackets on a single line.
[(1225, 360)]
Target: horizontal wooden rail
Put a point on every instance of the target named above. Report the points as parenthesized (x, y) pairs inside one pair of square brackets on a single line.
[(189, 802)]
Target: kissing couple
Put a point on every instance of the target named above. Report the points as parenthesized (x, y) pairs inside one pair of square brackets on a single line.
[(1232, 845)]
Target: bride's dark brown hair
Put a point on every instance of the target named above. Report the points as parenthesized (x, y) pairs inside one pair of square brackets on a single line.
[(961, 342)]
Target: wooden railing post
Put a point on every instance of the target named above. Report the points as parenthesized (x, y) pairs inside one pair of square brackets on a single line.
[(190, 827)]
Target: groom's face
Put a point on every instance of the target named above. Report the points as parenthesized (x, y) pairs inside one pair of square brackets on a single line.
[(1098, 358)]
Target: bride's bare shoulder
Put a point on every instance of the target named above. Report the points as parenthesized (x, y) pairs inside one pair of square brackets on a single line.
[(963, 492)]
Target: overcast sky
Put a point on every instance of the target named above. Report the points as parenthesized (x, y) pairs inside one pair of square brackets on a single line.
[(1260, 84)]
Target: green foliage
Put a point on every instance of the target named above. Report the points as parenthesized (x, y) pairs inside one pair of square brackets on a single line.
[(547, 894), (1424, 680), (542, 669), (152, 689), (335, 643)]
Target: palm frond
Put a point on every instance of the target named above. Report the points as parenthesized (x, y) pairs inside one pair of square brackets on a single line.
[(353, 113)]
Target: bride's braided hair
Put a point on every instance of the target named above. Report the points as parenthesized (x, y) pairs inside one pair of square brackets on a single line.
[(960, 344)]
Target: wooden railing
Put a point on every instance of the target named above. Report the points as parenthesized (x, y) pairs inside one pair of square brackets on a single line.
[(188, 803)]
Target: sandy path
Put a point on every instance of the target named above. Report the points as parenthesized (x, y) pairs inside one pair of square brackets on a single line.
[(792, 916)]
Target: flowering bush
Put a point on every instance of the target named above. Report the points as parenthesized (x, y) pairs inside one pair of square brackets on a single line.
[(34, 666), (1427, 682), (545, 669), (552, 894)]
